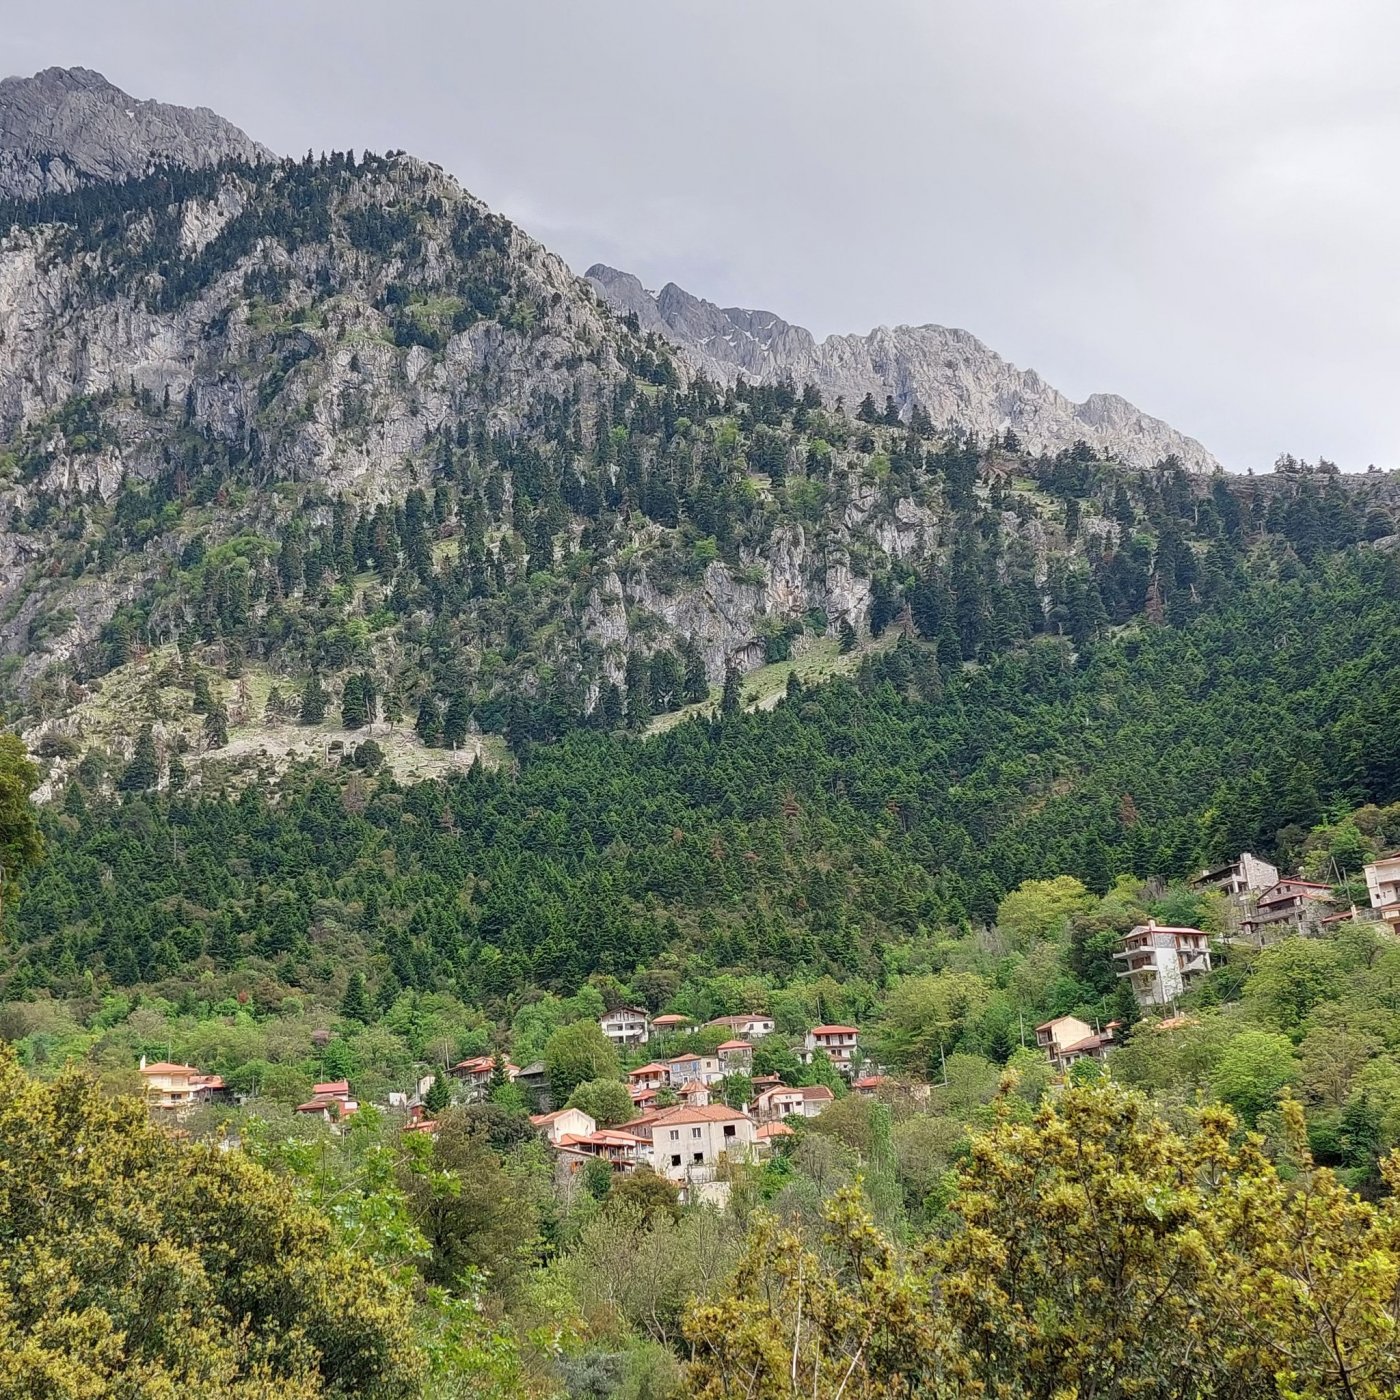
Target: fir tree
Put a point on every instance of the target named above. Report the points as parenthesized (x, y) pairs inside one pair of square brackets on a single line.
[(313, 701), (729, 698), (216, 728), (143, 772), (439, 1095), (428, 725), (356, 1005), (456, 721)]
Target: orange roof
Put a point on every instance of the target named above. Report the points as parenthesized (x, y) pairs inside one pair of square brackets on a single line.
[(331, 1087), (322, 1102), (736, 1045), (835, 1030), (713, 1113), (165, 1067), (869, 1081), (681, 1059), (772, 1130), (646, 1069), (670, 1019)]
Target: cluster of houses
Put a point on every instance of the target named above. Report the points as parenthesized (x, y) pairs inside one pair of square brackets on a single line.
[(681, 1129), (687, 1143), (1264, 906)]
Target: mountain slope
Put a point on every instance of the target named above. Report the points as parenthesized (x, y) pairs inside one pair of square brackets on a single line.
[(956, 379), (66, 127), (324, 448)]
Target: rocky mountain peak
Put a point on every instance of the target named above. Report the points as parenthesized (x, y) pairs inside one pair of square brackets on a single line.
[(957, 379), (66, 127)]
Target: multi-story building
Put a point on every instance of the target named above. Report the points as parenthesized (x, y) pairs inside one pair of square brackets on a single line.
[(652, 1076), (628, 1025), (708, 1069), (1238, 878), (1161, 961), (1287, 908), (736, 1056), (477, 1073), (841, 1044), (1241, 881), (781, 1101), (687, 1143), (177, 1087), (1383, 885)]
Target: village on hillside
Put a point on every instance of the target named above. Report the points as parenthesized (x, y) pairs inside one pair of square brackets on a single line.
[(695, 1105)]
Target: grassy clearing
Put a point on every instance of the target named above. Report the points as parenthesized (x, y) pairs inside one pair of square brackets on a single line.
[(141, 692), (817, 660)]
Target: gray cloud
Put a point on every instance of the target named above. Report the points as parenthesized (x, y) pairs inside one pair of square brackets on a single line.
[(1189, 204)]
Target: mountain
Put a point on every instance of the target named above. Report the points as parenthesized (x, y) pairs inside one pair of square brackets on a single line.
[(293, 452), (66, 127), (956, 379)]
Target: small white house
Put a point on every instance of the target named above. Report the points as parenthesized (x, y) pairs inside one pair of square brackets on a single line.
[(565, 1122), (628, 1025)]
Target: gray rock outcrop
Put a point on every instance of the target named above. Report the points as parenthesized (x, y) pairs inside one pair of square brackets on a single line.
[(957, 380), (67, 127)]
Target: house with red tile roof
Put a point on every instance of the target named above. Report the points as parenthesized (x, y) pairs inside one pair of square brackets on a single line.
[(1288, 908), (688, 1143), (177, 1087), (791, 1101), (1067, 1039), (841, 1044), (565, 1122)]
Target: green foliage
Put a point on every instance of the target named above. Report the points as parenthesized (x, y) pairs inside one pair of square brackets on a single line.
[(578, 1054), (133, 1263), (604, 1100)]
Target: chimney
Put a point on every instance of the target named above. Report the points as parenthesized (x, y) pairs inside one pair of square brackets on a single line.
[(143, 1062)]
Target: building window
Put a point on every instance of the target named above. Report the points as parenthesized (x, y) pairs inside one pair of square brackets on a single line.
[(729, 1130), (675, 1159), (675, 1134), (698, 1157), (695, 1132)]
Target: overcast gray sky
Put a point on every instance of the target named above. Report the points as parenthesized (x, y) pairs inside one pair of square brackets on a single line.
[(1192, 203)]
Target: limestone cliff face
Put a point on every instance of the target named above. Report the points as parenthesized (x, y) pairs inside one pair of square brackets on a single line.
[(950, 373), (66, 127)]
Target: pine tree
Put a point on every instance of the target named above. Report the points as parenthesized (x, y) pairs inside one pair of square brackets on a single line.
[(729, 698), (429, 723), (439, 1095), (143, 772), (847, 634), (313, 701), (867, 412), (610, 711), (456, 721), (697, 684), (355, 1005), (203, 699), (216, 728), (357, 700)]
